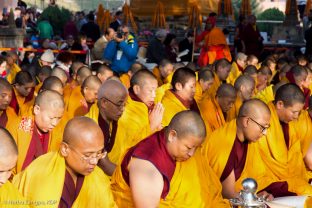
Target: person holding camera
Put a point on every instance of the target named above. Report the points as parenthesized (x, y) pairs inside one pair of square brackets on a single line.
[(121, 51)]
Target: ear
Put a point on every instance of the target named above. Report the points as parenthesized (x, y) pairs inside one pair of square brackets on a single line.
[(136, 89), (36, 109), (245, 122), (64, 149), (279, 105), (178, 86), (84, 90), (172, 135)]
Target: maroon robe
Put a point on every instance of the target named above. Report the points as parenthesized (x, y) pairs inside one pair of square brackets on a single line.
[(152, 149), (38, 146), (192, 105), (109, 140), (3, 119), (70, 191), (252, 40), (14, 103), (285, 128)]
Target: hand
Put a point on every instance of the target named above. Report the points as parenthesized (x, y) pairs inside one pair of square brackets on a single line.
[(155, 117), (118, 40), (266, 196)]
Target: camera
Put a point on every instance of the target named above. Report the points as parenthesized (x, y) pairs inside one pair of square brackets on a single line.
[(120, 34)]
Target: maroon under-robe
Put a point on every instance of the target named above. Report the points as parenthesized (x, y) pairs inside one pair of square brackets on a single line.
[(152, 149), (3, 119), (251, 38), (285, 128), (14, 103), (38, 146), (70, 191), (192, 105), (109, 140)]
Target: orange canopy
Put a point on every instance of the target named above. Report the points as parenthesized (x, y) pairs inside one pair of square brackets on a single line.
[(245, 8), (225, 8), (172, 7), (129, 17)]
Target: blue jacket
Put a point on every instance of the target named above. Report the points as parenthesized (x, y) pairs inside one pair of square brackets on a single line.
[(129, 50)]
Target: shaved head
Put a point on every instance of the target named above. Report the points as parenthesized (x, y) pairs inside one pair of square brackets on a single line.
[(49, 99), (244, 80), (188, 123), (4, 84), (91, 82), (141, 77), (111, 88), (205, 75), (289, 94), (82, 74), (254, 108), (250, 70), (60, 73), (226, 90), (52, 83), (226, 96)]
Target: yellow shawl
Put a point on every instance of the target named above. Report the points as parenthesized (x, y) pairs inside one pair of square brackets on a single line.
[(266, 95), (10, 197)]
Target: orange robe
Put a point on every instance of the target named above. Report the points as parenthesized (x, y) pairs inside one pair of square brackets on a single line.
[(125, 80), (235, 72), (7, 117), (20, 104), (266, 95), (233, 112), (286, 162), (213, 89), (76, 104)]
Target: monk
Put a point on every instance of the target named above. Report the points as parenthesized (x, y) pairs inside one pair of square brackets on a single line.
[(222, 71), (23, 91), (143, 178), (9, 195), (141, 117), (237, 68), (112, 98), (52, 83), (251, 71), (13, 68), (104, 72), (252, 60), (76, 65), (214, 111), (239, 156), (163, 71), (60, 73), (281, 149), (263, 78), (70, 176), (126, 77), (8, 114), (245, 88), (204, 83), (80, 104), (32, 133), (181, 96), (44, 73)]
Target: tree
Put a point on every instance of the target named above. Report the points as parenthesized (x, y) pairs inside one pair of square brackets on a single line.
[(269, 14), (255, 6)]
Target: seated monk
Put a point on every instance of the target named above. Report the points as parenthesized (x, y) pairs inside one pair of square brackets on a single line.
[(104, 72), (52, 83), (32, 133), (222, 71), (163, 71), (76, 65), (263, 78), (23, 92), (9, 195), (81, 102), (147, 175), (44, 73), (141, 117), (299, 75), (245, 88), (251, 71), (8, 115), (72, 94), (281, 148), (239, 157), (252, 60), (181, 97), (70, 176), (205, 81), (237, 68), (13, 68), (61, 74), (112, 97), (214, 111), (126, 77)]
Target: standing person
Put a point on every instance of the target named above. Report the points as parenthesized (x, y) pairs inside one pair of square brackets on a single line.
[(118, 22), (251, 38), (156, 49), (45, 29), (70, 28), (171, 47), (301, 4), (187, 44), (91, 29), (238, 33), (101, 43)]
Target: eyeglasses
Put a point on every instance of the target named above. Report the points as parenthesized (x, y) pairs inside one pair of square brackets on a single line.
[(88, 159), (262, 128), (120, 106)]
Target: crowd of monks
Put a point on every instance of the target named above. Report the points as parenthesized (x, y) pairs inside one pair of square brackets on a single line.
[(176, 136)]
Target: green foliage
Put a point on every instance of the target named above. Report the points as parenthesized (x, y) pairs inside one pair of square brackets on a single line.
[(255, 7), (57, 18), (269, 14)]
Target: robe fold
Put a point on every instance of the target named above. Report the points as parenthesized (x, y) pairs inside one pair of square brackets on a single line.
[(45, 185), (125, 80), (10, 197), (213, 89), (285, 163), (266, 95), (115, 146), (77, 105), (235, 72), (21, 104), (12, 74), (218, 157), (7, 117), (233, 112)]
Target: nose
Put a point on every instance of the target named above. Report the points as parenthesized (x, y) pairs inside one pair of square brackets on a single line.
[(191, 152), (94, 161)]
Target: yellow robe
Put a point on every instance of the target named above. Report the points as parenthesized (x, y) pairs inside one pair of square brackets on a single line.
[(76, 103), (37, 88), (205, 186), (12, 117), (213, 89), (13, 71), (286, 164), (10, 197), (118, 148), (24, 108), (211, 113), (266, 95), (234, 74), (21, 130), (125, 80), (45, 185), (304, 131), (233, 112), (218, 157), (160, 92)]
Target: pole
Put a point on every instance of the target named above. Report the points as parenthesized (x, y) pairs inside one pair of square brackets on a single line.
[(193, 49)]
